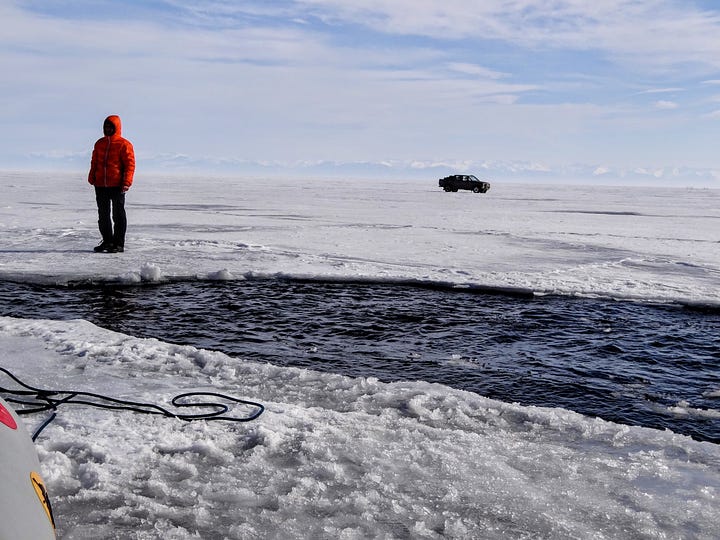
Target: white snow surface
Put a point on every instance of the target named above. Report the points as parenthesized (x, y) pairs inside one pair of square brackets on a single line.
[(631, 243), (339, 457)]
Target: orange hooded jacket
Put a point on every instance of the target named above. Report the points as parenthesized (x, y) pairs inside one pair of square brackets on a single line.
[(113, 159)]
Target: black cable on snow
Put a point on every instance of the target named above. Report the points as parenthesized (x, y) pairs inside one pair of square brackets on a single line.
[(35, 400)]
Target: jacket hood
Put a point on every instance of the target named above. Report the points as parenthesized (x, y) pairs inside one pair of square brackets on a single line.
[(115, 120)]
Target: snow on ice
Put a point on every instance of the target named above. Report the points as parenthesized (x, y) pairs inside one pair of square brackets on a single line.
[(339, 457)]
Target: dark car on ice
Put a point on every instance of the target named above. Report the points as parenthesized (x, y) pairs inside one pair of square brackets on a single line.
[(463, 181)]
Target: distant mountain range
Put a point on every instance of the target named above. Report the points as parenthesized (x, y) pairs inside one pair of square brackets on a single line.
[(514, 171)]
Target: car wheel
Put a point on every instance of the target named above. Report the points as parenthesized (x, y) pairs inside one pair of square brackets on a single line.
[(476, 189)]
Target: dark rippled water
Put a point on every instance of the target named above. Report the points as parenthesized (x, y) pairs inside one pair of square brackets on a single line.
[(625, 362)]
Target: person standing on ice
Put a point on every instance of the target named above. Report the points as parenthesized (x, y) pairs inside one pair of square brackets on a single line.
[(111, 172)]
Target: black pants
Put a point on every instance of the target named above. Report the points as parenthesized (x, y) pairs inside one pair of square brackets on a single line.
[(115, 198)]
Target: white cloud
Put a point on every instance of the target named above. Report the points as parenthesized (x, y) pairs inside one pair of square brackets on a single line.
[(647, 32), (661, 91), (476, 70), (666, 105)]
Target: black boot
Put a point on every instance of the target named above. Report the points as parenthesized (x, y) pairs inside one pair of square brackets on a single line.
[(103, 246)]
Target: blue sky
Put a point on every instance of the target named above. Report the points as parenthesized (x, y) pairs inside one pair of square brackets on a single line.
[(618, 89)]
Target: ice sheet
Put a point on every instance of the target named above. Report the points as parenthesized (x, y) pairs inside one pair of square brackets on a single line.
[(336, 457), (632, 243)]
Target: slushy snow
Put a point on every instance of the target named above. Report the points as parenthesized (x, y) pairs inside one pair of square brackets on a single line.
[(339, 457)]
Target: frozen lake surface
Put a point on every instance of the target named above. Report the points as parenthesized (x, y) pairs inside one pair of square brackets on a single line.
[(628, 243), (338, 456)]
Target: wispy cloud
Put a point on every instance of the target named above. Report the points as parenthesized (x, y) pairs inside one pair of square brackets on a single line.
[(476, 70), (661, 91), (650, 32)]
